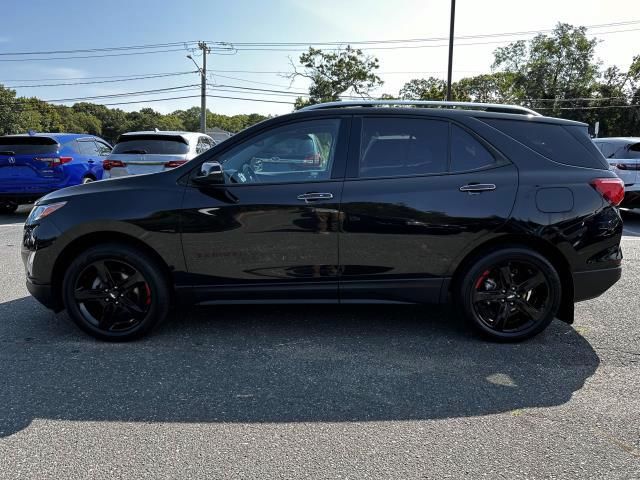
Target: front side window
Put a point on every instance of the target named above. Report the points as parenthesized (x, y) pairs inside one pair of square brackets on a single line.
[(403, 146), (467, 153), (299, 152)]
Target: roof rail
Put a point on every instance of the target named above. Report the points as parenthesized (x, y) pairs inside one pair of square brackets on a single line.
[(423, 103)]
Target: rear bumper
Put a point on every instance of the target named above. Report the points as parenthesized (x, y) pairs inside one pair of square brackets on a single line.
[(593, 283), (44, 294)]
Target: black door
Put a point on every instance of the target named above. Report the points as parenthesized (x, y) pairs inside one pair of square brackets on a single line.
[(421, 192), (271, 231)]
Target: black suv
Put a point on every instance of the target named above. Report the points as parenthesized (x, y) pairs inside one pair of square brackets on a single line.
[(509, 214)]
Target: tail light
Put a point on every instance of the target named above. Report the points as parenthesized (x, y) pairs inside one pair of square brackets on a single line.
[(174, 163), (612, 189), (54, 161), (109, 164), (313, 159)]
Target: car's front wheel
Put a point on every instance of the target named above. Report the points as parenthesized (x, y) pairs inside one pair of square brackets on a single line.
[(510, 294), (116, 292)]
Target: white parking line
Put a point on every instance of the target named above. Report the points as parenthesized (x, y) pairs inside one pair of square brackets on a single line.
[(11, 225)]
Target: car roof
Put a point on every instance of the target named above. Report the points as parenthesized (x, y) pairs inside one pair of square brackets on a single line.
[(617, 140), (183, 134), (432, 112), (55, 136)]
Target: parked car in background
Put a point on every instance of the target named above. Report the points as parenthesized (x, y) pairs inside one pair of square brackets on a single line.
[(510, 215), (290, 154), (33, 165), (137, 153), (623, 155)]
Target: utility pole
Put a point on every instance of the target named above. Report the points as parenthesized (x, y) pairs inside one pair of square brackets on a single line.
[(453, 18), (203, 84), (203, 87)]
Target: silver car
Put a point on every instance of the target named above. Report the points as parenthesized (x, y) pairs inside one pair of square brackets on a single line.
[(137, 153), (623, 155)]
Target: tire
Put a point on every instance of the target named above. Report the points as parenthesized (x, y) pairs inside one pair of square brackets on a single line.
[(8, 207), (87, 180), (116, 292), (495, 298)]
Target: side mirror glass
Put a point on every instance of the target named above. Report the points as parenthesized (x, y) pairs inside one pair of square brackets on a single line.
[(210, 173)]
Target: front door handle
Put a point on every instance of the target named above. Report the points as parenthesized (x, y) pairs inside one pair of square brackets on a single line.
[(478, 187), (313, 196)]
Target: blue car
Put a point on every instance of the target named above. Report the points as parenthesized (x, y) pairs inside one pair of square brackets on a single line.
[(38, 163)]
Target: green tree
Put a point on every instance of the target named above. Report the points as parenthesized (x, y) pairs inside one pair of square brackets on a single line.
[(9, 112), (333, 74)]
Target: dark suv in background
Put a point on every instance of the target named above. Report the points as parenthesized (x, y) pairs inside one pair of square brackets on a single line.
[(510, 214)]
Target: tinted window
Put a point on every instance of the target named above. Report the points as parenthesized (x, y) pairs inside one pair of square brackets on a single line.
[(634, 151), (467, 153), (152, 144), (302, 151), (203, 145), (27, 145), (403, 146), (87, 147), (103, 148), (567, 144)]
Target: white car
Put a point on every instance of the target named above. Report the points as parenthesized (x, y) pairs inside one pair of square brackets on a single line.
[(623, 155), (137, 153)]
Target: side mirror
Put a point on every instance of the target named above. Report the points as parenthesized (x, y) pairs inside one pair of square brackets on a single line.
[(210, 173)]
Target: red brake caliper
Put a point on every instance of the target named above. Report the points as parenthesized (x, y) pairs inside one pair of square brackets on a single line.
[(482, 278), (148, 290)]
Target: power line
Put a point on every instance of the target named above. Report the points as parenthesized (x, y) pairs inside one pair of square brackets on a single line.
[(428, 39), (101, 81), (88, 78), (104, 49)]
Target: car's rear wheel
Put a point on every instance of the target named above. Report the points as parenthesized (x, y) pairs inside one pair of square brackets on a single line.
[(116, 292), (8, 207), (510, 294), (87, 180)]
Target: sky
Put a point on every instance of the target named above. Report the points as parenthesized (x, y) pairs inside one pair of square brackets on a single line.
[(47, 25)]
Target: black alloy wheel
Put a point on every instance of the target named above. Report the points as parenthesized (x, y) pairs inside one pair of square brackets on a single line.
[(511, 294), (115, 292)]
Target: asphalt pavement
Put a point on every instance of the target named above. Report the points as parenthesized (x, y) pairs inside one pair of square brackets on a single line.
[(319, 392)]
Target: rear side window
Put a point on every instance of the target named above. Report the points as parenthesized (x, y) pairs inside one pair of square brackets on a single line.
[(566, 144), (634, 151), (467, 153), (87, 147), (27, 145), (152, 144), (403, 146)]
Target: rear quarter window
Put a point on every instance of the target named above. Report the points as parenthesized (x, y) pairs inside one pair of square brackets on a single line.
[(566, 144)]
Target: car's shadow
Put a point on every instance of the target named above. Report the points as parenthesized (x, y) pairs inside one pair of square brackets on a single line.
[(280, 364), (18, 217)]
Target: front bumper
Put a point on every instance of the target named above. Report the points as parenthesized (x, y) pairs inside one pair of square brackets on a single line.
[(44, 294), (593, 283)]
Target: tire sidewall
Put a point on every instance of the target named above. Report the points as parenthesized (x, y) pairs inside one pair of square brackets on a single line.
[(147, 267), (467, 285)]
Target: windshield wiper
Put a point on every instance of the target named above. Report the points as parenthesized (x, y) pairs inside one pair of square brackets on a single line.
[(138, 150), (7, 152)]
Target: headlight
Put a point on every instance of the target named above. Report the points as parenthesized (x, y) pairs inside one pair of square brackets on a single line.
[(40, 211)]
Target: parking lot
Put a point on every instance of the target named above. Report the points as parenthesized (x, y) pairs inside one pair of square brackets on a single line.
[(328, 392)]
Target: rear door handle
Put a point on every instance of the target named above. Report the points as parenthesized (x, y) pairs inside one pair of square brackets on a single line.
[(478, 187), (313, 196), (91, 161)]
